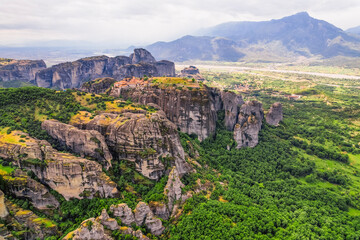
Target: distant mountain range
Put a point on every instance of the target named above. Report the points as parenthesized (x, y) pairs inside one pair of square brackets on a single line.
[(354, 30), (294, 36)]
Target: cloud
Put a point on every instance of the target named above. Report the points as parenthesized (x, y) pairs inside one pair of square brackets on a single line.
[(120, 23)]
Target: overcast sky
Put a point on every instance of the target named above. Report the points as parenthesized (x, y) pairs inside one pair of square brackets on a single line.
[(119, 23)]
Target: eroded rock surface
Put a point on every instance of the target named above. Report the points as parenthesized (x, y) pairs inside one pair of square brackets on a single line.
[(249, 124), (107, 221), (23, 186), (69, 175), (275, 114), (192, 72), (98, 86), (149, 140), (84, 142), (22, 70), (124, 213)]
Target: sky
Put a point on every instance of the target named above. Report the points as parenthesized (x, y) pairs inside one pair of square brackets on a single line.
[(119, 23)]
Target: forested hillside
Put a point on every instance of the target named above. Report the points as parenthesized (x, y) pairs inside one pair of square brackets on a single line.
[(302, 180)]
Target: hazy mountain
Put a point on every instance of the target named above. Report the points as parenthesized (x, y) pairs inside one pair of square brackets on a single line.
[(199, 48), (354, 30), (296, 35)]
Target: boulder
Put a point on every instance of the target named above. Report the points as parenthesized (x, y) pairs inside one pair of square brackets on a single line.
[(275, 114), (88, 143), (123, 212), (249, 124)]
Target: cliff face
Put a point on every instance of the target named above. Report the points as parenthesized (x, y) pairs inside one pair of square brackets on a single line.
[(148, 139), (69, 175), (73, 74), (249, 124), (23, 70), (84, 142), (191, 106)]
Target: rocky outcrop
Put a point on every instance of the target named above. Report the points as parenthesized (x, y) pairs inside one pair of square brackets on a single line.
[(192, 72), (88, 143), (73, 74), (141, 211), (160, 210), (3, 211), (23, 186), (275, 114), (173, 188), (22, 70), (249, 124), (107, 221), (123, 212), (98, 86), (144, 215), (141, 55), (149, 140), (69, 175), (89, 229)]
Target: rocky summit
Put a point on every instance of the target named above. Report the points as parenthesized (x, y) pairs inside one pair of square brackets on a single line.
[(73, 74), (275, 114)]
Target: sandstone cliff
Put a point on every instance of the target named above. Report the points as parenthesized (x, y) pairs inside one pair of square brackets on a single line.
[(23, 70), (84, 142), (69, 175), (249, 124), (275, 114), (73, 74)]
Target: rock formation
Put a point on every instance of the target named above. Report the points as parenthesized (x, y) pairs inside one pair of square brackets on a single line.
[(69, 175), (160, 210), (22, 70), (107, 221), (84, 142), (3, 211), (98, 86), (123, 212), (73, 74), (249, 124), (144, 215), (141, 211), (191, 106), (28, 224), (275, 114), (23, 186), (149, 140), (192, 72), (173, 188), (89, 229)]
